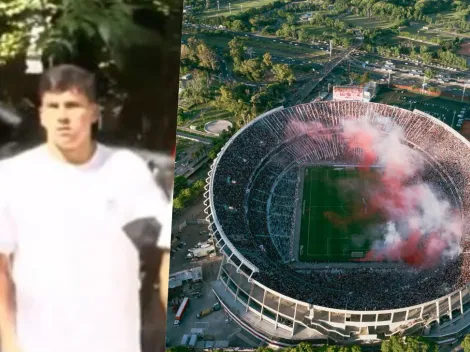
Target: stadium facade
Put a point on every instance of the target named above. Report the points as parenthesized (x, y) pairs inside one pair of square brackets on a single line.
[(282, 305), (364, 93)]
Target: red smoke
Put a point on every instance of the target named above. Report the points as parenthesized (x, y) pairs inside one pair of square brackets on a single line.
[(416, 250), (395, 200), (361, 139)]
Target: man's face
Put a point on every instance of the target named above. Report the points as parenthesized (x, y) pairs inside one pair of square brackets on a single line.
[(68, 117)]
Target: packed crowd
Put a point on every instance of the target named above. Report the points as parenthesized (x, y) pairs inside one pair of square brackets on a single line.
[(243, 184), (350, 288), (281, 213)]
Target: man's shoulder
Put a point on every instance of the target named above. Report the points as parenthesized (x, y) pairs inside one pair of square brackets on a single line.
[(126, 159), (24, 159), (125, 156)]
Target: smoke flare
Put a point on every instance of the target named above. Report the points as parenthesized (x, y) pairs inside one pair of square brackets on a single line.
[(420, 226)]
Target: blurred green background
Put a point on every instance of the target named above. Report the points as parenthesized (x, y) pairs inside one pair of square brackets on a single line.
[(132, 46)]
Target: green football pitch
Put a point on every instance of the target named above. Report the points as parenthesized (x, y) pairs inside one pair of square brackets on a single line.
[(334, 215)]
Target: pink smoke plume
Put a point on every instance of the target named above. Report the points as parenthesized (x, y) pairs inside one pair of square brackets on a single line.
[(420, 227)]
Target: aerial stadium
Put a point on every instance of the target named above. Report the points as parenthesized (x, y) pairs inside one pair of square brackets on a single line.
[(345, 222)]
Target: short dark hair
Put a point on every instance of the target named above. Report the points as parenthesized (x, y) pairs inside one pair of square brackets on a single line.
[(62, 78)]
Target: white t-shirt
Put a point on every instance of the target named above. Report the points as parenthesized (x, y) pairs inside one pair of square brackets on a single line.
[(76, 271)]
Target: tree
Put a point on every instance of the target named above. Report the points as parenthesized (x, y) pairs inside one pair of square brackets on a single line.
[(178, 203), (252, 69), (238, 25), (419, 343), (186, 52), (207, 58), (197, 89), (364, 78), (180, 182), (186, 194), (130, 45), (264, 349), (331, 348), (180, 120), (408, 344), (427, 57), (429, 73), (237, 49), (303, 35), (394, 344), (304, 347), (198, 187), (266, 30), (212, 154), (287, 31), (466, 343), (234, 99), (283, 73), (268, 97), (290, 19), (267, 60), (61, 23), (254, 21)]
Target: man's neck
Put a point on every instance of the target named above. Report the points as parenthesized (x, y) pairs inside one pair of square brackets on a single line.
[(78, 156)]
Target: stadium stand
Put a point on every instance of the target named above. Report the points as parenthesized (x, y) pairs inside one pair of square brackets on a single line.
[(247, 198)]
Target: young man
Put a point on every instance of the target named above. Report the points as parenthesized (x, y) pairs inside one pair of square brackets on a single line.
[(75, 216)]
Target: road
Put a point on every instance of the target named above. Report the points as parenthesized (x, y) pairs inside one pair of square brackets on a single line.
[(457, 79), (401, 75), (321, 46), (305, 90), (461, 76), (194, 136)]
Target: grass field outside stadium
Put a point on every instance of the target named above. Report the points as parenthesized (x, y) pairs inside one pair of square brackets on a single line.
[(332, 227)]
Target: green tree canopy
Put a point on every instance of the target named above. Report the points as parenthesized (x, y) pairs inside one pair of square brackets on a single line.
[(408, 344), (237, 49), (283, 73), (180, 182), (429, 73), (267, 60), (252, 69), (466, 343)]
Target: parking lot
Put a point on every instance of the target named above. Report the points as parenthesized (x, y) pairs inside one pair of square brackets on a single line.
[(217, 325)]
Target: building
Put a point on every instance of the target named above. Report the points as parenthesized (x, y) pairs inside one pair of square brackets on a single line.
[(364, 93), (258, 284), (180, 278), (348, 93), (306, 17)]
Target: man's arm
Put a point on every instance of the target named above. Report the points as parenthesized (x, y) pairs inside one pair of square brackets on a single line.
[(155, 262), (8, 338), (164, 273), (149, 229)]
